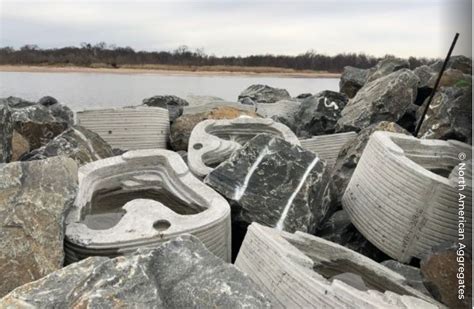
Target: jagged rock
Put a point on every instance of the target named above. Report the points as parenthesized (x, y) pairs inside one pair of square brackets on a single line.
[(424, 74), (303, 95), (283, 111), (34, 197), (6, 132), (264, 94), (412, 274), (403, 192), (248, 101), (195, 100), (387, 66), (141, 199), (129, 128), (384, 99), (328, 146), (47, 101), (450, 78), (272, 182), (449, 115), (459, 62), (347, 161), (58, 110), (318, 114), (352, 79), (213, 141), (181, 273), (294, 270), (77, 143), (447, 274), (182, 127), (173, 103), (340, 230)]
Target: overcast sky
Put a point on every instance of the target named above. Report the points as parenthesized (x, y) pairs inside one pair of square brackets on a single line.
[(378, 27)]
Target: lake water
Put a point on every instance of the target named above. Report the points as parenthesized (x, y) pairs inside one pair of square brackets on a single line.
[(98, 90)]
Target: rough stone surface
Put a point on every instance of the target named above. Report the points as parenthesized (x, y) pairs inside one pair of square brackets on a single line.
[(181, 129), (352, 79), (440, 270), (449, 115), (273, 182), (412, 274), (340, 230), (6, 132), (347, 161), (47, 101), (303, 95), (384, 99), (34, 197), (195, 100), (386, 67), (77, 143), (283, 111), (181, 273), (264, 94), (451, 77), (318, 114), (424, 74), (457, 62), (173, 103)]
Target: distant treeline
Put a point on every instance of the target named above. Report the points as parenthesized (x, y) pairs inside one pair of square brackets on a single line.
[(113, 56)]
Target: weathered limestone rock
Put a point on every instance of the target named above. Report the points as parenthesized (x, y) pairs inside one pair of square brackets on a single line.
[(273, 182), (264, 94), (347, 161), (384, 99), (449, 115), (458, 62), (181, 273), (442, 275), (387, 66), (77, 143), (34, 197), (141, 199), (450, 78), (404, 191), (319, 114), (6, 132), (294, 271), (195, 100), (352, 79), (173, 103), (183, 126), (412, 275), (129, 128), (340, 230), (213, 141), (282, 111), (328, 146)]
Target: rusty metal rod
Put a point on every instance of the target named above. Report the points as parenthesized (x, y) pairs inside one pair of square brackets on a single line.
[(418, 125)]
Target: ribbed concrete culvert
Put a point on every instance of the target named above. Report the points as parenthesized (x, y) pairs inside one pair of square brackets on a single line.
[(328, 146), (143, 198), (403, 196)]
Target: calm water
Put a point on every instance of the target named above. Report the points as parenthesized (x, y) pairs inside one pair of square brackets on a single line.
[(97, 90)]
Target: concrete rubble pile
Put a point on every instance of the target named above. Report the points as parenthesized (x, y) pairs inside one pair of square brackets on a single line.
[(322, 200)]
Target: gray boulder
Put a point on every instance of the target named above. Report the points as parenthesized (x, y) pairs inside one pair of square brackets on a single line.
[(318, 114), (458, 62), (449, 115), (272, 182), (387, 66), (173, 103), (384, 99), (352, 79), (34, 197), (181, 273), (425, 75), (47, 101), (77, 143), (264, 94), (303, 95), (412, 274), (6, 132)]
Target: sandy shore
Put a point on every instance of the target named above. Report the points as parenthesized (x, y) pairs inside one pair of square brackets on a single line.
[(175, 70)]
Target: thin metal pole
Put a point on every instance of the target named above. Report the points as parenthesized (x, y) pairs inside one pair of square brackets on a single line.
[(418, 125)]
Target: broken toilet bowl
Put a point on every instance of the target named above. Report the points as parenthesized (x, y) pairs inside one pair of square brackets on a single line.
[(143, 198)]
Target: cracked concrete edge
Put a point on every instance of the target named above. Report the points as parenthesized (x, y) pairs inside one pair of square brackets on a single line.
[(328, 146), (285, 266), (398, 202)]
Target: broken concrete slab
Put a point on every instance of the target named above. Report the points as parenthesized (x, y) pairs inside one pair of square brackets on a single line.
[(213, 141), (264, 94), (403, 196), (141, 199), (129, 128), (295, 271), (328, 146)]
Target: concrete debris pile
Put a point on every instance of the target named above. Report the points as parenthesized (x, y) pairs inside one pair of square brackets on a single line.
[(322, 200)]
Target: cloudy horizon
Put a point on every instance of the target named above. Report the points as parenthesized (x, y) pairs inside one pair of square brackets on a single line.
[(421, 28)]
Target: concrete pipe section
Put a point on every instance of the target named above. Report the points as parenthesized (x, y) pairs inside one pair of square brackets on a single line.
[(328, 146), (213, 141), (129, 128), (404, 194), (304, 271), (143, 198)]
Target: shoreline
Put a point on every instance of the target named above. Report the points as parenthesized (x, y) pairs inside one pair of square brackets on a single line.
[(170, 70)]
